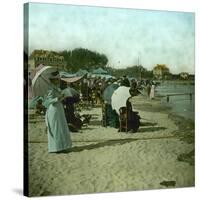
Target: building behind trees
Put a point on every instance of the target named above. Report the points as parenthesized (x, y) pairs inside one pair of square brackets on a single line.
[(47, 58)]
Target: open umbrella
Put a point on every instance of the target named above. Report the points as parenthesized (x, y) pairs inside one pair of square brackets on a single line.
[(99, 71), (81, 72), (119, 98), (41, 83), (34, 71), (108, 92)]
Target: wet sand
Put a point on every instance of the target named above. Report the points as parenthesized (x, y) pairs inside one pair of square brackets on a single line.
[(104, 160)]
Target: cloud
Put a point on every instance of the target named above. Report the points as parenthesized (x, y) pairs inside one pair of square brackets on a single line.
[(122, 34)]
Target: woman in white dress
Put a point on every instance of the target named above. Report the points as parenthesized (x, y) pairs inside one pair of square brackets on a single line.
[(152, 92)]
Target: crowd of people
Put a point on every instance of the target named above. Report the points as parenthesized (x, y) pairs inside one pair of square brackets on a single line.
[(62, 113), (91, 89)]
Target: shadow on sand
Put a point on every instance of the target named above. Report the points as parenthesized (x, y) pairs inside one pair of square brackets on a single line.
[(99, 145), (110, 143), (148, 124), (151, 129)]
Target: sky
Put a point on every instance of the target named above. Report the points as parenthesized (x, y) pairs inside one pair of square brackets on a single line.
[(126, 36)]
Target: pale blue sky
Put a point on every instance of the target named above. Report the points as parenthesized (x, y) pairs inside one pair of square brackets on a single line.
[(156, 37)]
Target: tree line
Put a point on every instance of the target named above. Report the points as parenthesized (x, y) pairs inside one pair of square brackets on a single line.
[(80, 58), (133, 71)]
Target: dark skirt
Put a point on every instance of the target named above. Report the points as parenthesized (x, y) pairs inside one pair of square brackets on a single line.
[(112, 118)]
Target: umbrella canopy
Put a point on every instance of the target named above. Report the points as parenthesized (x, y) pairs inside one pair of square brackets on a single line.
[(41, 83), (99, 71), (72, 79), (81, 72), (108, 92), (106, 76), (34, 71), (64, 74), (119, 98)]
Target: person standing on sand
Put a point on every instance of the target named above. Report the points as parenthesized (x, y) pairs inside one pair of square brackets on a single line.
[(152, 92), (125, 81), (148, 89), (59, 138)]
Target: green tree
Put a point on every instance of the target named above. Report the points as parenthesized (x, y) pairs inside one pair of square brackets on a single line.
[(80, 58)]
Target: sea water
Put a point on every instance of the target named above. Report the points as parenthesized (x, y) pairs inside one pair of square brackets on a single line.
[(181, 104)]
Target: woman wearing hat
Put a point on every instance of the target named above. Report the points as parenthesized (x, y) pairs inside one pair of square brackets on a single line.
[(58, 132)]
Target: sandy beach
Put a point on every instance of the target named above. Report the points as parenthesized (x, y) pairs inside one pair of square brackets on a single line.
[(104, 160)]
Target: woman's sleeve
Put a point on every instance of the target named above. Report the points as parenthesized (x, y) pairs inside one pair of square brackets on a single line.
[(51, 98)]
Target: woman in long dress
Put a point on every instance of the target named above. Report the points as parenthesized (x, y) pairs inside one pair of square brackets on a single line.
[(58, 131), (152, 92)]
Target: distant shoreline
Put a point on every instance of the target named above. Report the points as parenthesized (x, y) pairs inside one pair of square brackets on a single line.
[(184, 82), (184, 124)]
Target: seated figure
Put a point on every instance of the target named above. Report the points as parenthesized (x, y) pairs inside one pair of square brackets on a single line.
[(74, 122), (129, 120), (110, 117)]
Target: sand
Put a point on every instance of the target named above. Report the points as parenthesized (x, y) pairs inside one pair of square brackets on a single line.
[(105, 160)]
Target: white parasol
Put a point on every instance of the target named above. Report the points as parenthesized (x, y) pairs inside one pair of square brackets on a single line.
[(41, 83), (119, 98)]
